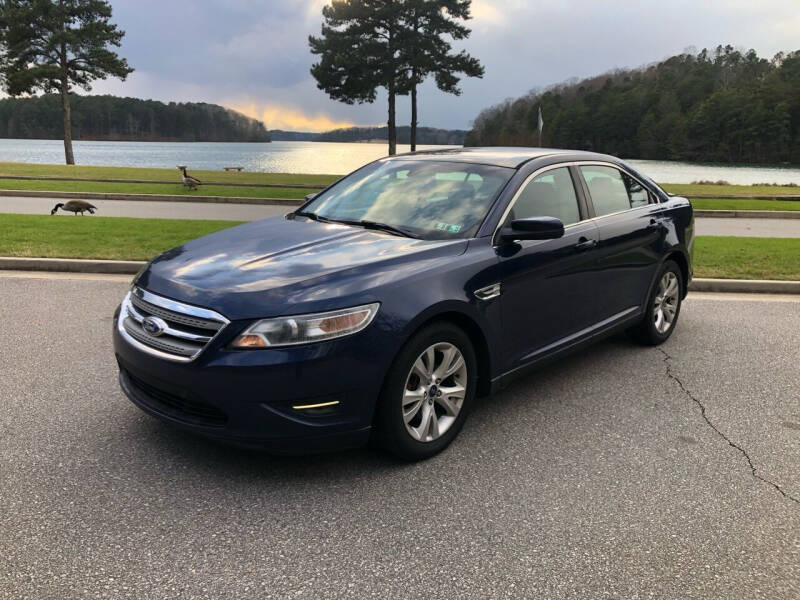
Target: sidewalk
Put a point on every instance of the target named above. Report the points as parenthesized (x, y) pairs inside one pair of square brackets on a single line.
[(157, 210), (775, 228)]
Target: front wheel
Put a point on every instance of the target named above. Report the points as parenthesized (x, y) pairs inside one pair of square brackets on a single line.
[(427, 393), (663, 307)]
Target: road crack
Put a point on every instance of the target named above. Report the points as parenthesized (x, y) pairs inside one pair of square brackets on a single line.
[(716, 430)]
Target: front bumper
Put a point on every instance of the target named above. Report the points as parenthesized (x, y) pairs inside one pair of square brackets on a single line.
[(303, 399)]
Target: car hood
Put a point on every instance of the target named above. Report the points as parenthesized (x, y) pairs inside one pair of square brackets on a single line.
[(279, 266)]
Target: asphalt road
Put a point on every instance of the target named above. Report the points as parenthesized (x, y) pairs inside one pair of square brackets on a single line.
[(250, 212), (622, 472)]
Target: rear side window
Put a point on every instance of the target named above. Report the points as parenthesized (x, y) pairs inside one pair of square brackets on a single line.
[(637, 193), (607, 189), (551, 194), (613, 191)]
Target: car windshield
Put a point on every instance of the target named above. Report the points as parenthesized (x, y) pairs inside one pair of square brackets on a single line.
[(424, 199)]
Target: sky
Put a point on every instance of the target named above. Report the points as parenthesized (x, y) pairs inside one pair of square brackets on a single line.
[(253, 56)]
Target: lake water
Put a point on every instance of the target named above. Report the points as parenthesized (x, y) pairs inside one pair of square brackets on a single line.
[(325, 157)]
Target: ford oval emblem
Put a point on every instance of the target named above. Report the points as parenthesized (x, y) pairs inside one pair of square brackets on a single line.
[(154, 326)]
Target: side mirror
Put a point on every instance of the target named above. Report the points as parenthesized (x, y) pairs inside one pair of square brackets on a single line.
[(311, 196), (533, 228)]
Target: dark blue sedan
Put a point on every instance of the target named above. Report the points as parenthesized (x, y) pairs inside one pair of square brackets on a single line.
[(385, 304)]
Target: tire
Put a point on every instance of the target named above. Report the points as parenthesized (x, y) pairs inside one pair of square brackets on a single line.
[(416, 417), (655, 327)]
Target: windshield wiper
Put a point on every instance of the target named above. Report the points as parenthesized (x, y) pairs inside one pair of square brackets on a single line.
[(388, 228), (365, 224), (377, 226), (310, 215)]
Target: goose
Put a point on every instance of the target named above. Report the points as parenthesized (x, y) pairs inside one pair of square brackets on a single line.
[(75, 206), (189, 181)]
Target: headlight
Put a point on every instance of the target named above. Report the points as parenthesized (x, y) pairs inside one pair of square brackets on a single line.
[(304, 329)]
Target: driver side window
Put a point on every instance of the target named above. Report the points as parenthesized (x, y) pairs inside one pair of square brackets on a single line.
[(550, 194)]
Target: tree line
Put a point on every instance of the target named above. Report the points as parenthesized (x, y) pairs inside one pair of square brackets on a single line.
[(424, 135), (129, 119), (715, 106), (366, 45)]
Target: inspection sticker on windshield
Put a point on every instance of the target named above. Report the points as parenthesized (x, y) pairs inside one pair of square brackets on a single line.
[(448, 227)]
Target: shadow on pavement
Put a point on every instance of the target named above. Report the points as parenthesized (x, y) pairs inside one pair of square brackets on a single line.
[(155, 442)]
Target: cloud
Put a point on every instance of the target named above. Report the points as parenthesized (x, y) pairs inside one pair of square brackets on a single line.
[(276, 116), (485, 12), (254, 53)]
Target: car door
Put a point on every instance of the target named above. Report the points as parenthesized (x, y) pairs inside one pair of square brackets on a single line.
[(628, 222), (547, 285)]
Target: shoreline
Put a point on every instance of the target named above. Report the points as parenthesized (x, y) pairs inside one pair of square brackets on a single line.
[(329, 157)]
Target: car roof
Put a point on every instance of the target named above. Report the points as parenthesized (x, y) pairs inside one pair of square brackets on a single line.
[(499, 156)]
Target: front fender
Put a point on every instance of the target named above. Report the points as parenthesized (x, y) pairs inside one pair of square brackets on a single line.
[(449, 294)]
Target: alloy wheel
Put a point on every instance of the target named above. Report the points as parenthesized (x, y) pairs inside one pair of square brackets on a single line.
[(434, 392), (665, 305)]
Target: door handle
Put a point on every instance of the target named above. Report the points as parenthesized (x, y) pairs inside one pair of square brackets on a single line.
[(585, 244), (655, 225)]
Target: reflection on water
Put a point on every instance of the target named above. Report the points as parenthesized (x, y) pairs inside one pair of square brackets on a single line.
[(664, 171), (324, 157), (275, 157)]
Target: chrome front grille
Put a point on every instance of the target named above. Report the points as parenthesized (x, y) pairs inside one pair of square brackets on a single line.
[(179, 318), (166, 328)]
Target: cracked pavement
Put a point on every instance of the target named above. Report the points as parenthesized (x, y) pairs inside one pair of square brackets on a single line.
[(731, 443), (620, 472)]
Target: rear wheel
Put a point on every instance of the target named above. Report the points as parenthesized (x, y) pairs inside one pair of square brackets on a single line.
[(663, 307), (427, 393)]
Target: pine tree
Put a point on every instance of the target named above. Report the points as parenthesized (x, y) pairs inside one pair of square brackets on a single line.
[(429, 24), (51, 45), (359, 52)]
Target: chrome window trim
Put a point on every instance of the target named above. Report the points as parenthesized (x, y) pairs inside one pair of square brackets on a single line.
[(574, 163), (167, 304), (619, 212)]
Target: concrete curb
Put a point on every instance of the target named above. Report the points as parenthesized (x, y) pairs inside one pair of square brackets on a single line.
[(748, 214), (788, 198), (301, 186), (71, 265), (152, 197), (131, 267), (745, 286)]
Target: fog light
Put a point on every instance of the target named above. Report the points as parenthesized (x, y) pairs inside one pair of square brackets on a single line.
[(312, 406)]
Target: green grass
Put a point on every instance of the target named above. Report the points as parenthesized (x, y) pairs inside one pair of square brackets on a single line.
[(739, 204), (175, 189), (747, 258), (97, 237), (141, 239), (170, 174), (171, 177), (690, 189)]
